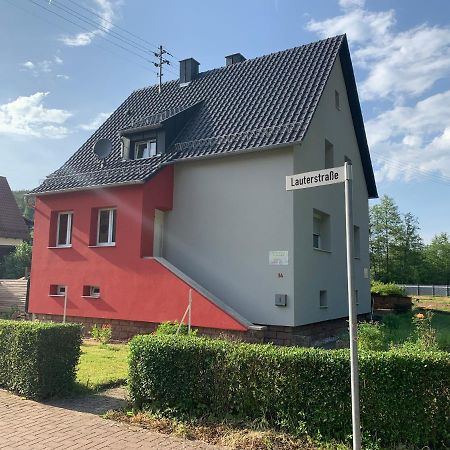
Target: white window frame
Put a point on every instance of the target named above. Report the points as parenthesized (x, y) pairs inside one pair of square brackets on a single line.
[(59, 289), (147, 142), (110, 242), (68, 231), (93, 293)]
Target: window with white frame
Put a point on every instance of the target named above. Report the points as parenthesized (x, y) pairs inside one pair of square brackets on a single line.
[(106, 227), (321, 230), (60, 290), (64, 229), (145, 149), (91, 291)]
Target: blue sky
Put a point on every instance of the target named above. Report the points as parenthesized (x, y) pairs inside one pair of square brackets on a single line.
[(60, 81)]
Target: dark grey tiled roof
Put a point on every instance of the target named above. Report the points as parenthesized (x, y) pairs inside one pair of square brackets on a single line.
[(12, 224), (257, 103)]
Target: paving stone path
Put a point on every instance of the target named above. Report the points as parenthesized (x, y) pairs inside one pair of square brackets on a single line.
[(75, 424)]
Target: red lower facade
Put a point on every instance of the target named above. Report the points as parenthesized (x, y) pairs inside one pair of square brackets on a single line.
[(133, 287)]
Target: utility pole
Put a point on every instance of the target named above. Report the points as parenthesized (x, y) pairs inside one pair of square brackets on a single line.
[(161, 61)]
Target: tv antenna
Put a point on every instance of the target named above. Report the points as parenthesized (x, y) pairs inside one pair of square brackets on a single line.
[(161, 61)]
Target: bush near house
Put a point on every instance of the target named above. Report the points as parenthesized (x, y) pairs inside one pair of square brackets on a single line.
[(404, 395), (38, 360), (380, 288)]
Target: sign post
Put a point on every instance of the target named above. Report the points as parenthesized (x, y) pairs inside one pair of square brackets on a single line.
[(320, 178)]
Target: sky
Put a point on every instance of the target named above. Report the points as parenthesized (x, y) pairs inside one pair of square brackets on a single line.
[(63, 74)]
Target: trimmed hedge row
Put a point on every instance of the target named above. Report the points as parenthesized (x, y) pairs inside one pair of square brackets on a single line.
[(38, 360), (405, 398)]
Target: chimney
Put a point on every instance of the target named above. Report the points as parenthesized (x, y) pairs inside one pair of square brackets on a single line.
[(188, 70), (234, 59)]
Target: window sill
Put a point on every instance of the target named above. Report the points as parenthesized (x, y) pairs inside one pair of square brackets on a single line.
[(59, 247), (321, 250), (56, 295), (323, 307), (102, 245), (91, 296)]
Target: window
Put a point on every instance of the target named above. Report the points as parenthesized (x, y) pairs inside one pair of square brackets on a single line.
[(337, 102), (356, 297), (323, 300), (57, 290), (145, 149), (329, 155), (91, 291), (106, 227), (60, 290), (356, 242), (64, 230), (321, 230)]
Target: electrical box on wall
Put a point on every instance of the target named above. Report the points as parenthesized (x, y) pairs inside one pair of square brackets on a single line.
[(280, 299)]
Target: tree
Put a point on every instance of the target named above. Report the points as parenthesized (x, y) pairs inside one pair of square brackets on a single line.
[(437, 260), (410, 250), (15, 264), (384, 239)]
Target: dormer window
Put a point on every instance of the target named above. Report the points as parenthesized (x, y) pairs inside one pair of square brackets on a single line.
[(145, 149)]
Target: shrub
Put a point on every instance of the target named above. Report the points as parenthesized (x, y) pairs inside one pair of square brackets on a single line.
[(425, 333), (380, 288), (170, 328), (15, 264), (37, 359), (102, 334), (404, 396), (371, 336)]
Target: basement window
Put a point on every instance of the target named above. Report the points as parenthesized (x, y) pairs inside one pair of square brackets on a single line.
[(64, 229), (145, 149), (106, 227), (91, 291), (57, 290)]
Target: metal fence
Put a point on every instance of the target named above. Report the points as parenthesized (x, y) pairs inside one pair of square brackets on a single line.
[(430, 290)]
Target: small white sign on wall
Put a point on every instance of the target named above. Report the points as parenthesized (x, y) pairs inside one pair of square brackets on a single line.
[(278, 257)]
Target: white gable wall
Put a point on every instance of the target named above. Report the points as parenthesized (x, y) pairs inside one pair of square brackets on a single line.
[(317, 270)]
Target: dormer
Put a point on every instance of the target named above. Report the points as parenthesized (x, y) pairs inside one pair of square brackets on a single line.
[(151, 136)]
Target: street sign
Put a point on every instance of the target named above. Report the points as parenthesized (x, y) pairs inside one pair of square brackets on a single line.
[(321, 178), (316, 178)]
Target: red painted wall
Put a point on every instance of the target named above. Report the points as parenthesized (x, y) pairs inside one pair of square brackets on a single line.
[(132, 288)]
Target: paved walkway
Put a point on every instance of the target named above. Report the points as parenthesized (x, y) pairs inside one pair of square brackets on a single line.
[(75, 424)]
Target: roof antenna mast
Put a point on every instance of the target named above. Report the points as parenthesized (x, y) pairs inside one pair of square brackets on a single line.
[(161, 61)]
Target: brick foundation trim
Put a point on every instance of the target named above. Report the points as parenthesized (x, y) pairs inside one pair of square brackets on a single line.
[(322, 334)]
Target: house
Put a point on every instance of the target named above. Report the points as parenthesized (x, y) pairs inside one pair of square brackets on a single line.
[(192, 197), (13, 229)]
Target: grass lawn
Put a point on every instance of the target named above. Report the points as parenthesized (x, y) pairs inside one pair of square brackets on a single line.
[(440, 306), (102, 366)]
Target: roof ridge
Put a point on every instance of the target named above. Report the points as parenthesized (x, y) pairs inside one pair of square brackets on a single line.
[(247, 61)]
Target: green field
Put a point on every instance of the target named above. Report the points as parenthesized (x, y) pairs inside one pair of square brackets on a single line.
[(439, 306), (102, 366)]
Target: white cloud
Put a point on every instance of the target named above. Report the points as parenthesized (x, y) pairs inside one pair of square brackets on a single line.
[(400, 68), (96, 122), (107, 13), (40, 67), (412, 140), (28, 65), (348, 4), (27, 116), (62, 76)]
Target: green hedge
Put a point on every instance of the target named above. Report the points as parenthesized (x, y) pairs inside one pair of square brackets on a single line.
[(38, 360), (380, 288), (405, 398)]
